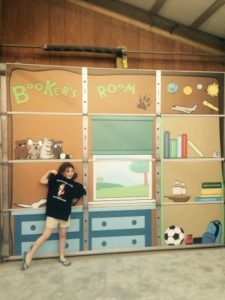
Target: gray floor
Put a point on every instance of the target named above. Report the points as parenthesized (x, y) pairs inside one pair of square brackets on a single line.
[(164, 275)]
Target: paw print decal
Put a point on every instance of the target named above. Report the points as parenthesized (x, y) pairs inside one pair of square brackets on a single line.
[(144, 102)]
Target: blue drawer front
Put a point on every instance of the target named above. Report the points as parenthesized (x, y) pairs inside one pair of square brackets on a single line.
[(27, 228), (37, 227), (51, 246), (117, 223), (120, 229), (118, 242)]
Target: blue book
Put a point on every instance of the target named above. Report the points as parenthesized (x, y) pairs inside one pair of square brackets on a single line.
[(209, 199), (166, 142)]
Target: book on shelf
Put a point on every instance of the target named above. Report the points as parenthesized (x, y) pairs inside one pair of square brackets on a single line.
[(211, 185), (166, 140), (195, 148), (173, 148), (209, 199), (184, 145), (179, 146), (211, 191)]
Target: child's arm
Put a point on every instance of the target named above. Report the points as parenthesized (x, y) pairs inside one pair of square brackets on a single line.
[(44, 178)]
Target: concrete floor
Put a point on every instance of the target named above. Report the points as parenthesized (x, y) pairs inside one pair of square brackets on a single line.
[(162, 275)]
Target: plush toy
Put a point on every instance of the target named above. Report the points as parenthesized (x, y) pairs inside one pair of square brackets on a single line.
[(46, 149), (58, 150), (21, 149), (34, 151)]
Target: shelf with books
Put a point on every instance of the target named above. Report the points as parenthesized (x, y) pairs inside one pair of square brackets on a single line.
[(184, 138)]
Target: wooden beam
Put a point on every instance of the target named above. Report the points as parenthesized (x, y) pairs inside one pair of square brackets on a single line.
[(157, 6), (208, 13), (157, 24)]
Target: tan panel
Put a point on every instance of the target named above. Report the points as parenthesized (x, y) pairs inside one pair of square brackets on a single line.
[(192, 174), (203, 132), (26, 187), (45, 91), (193, 219), (122, 93), (67, 129), (188, 93)]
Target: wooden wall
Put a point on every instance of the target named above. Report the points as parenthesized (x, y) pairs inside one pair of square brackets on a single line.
[(62, 22)]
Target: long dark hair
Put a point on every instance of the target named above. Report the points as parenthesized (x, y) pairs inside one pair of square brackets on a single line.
[(62, 168)]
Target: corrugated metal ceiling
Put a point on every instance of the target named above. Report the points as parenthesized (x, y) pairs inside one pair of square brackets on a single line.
[(186, 12)]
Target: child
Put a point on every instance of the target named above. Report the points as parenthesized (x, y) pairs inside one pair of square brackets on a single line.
[(63, 192)]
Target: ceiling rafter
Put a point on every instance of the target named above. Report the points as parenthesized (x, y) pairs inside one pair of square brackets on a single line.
[(207, 13), (154, 22), (157, 6)]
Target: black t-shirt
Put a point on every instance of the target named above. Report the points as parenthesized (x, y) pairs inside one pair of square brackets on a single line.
[(61, 192)]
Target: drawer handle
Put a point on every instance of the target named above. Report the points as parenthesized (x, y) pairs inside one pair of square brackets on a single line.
[(104, 243), (134, 222), (104, 223), (134, 241), (32, 227)]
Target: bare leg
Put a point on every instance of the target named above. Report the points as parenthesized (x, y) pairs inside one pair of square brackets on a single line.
[(62, 243), (45, 236)]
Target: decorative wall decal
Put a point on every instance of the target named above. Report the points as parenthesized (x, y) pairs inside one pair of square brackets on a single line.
[(34, 205), (213, 89), (174, 235), (21, 149), (195, 148), (172, 87), (185, 109), (210, 105), (34, 148), (187, 90), (46, 149), (144, 102), (58, 150), (199, 86)]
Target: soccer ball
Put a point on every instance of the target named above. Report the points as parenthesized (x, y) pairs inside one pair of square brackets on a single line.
[(174, 235)]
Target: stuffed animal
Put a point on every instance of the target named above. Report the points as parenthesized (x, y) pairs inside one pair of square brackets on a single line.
[(47, 149), (34, 151), (21, 149), (58, 150)]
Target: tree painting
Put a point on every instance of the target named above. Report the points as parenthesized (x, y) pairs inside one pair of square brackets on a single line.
[(140, 167)]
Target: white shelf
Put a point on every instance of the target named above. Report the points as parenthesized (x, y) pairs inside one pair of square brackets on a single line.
[(193, 115), (191, 203), (192, 159)]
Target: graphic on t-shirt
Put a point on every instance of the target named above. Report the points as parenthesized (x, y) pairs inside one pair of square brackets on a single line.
[(61, 190)]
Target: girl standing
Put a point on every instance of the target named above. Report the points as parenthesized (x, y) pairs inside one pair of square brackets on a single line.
[(63, 192)]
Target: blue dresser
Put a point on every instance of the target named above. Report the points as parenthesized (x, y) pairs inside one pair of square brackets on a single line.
[(109, 228), (29, 225), (121, 227)]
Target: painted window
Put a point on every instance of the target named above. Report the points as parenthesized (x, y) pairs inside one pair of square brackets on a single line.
[(119, 177), (122, 135)]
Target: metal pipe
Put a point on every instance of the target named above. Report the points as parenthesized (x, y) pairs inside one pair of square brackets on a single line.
[(104, 50)]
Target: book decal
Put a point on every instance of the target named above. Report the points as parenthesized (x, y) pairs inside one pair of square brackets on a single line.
[(178, 147), (210, 192)]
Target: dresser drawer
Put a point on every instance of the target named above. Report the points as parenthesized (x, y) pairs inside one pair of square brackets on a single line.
[(52, 246), (37, 227), (114, 223), (101, 243)]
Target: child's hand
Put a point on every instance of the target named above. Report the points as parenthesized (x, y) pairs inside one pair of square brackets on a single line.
[(53, 172)]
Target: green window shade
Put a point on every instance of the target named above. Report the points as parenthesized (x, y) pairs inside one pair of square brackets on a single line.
[(122, 135)]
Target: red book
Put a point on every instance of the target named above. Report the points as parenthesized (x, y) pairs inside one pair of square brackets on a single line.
[(184, 145)]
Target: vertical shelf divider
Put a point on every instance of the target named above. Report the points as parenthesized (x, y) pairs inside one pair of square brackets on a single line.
[(85, 157), (4, 176), (158, 157)]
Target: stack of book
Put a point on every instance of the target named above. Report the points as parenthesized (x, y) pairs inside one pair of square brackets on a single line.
[(210, 192), (177, 148)]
